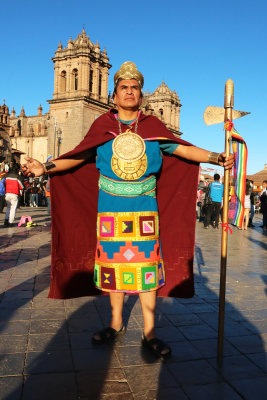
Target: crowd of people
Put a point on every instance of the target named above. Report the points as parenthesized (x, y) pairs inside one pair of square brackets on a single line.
[(210, 202), (17, 191)]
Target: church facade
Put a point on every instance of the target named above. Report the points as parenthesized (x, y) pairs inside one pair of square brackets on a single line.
[(81, 72)]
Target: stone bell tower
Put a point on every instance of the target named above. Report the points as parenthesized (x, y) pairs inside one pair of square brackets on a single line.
[(5, 143), (166, 105), (80, 92)]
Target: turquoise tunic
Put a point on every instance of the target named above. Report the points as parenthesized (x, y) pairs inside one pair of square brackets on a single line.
[(128, 254)]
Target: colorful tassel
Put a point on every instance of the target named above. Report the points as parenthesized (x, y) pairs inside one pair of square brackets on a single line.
[(240, 171)]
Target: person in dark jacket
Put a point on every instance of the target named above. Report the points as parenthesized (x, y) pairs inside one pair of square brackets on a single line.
[(2, 190), (263, 200), (216, 194), (253, 200), (34, 197)]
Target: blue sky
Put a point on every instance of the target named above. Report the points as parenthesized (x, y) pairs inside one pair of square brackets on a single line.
[(193, 45)]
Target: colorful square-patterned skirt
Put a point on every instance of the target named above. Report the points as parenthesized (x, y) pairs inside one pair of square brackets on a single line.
[(128, 254)]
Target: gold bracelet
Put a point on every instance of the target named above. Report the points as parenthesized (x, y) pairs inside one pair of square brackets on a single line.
[(213, 158)]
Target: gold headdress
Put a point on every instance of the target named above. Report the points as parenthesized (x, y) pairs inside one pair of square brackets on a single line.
[(128, 70)]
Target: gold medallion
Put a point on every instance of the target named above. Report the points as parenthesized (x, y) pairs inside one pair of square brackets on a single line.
[(128, 146), (129, 170), (129, 161)]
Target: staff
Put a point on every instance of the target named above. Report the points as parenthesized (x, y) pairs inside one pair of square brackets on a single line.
[(214, 115), (228, 106)]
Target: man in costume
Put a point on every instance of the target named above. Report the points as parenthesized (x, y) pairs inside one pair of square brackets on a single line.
[(125, 160)]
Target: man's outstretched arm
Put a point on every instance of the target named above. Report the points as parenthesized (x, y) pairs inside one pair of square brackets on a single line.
[(193, 153), (35, 168)]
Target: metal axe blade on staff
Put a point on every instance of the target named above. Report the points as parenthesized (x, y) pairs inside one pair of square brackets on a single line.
[(215, 115)]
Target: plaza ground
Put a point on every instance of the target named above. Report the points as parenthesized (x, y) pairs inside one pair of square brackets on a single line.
[(45, 345)]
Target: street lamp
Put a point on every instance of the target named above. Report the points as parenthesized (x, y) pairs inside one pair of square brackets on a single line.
[(57, 136), (59, 140), (55, 133)]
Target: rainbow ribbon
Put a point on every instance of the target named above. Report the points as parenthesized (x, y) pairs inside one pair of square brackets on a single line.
[(240, 172)]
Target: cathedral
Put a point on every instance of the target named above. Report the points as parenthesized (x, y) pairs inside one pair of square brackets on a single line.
[(80, 96)]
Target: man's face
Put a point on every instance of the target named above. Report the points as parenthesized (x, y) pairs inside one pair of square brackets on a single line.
[(128, 96), (264, 185)]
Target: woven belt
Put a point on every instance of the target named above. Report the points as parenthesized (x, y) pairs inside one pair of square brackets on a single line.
[(128, 189)]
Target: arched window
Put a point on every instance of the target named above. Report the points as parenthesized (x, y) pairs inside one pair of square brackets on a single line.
[(100, 83), (75, 79), (91, 81), (63, 81)]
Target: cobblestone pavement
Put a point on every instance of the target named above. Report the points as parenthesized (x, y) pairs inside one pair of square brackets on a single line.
[(46, 351)]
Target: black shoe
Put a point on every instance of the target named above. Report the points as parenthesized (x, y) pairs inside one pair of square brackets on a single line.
[(157, 347), (6, 222), (107, 335)]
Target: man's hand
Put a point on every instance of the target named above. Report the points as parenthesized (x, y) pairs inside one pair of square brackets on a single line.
[(32, 167), (226, 162)]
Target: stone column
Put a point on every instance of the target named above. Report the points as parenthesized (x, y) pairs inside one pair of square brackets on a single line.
[(68, 78), (178, 117), (85, 76), (80, 76), (95, 81), (173, 116), (56, 81), (167, 116), (105, 84)]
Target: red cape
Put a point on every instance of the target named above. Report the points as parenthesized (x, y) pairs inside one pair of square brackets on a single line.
[(74, 196)]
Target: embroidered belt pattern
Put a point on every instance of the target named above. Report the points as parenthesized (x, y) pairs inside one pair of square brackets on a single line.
[(130, 226), (122, 277), (128, 189)]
